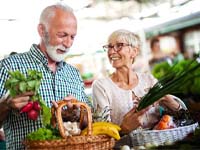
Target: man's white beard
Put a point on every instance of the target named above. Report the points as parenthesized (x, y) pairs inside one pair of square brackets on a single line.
[(51, 51)]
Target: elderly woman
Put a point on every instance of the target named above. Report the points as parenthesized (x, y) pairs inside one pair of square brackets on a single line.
[(122, 90)]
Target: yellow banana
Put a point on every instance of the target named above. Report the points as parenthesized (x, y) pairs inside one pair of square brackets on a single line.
[(106, 124), (106, 129), (102, 123)]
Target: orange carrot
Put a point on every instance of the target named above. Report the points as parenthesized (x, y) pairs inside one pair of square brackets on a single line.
[(164, 123)]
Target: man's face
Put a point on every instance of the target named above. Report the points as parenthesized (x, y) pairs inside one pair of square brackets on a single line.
[(59, 35), (52, 50)]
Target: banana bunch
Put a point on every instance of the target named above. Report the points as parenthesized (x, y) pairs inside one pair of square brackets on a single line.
[(107, 128)]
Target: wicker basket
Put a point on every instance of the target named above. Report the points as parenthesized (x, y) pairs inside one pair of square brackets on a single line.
[(88, 142), (141, 137)]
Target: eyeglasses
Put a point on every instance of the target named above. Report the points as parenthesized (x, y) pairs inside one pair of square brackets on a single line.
[(117, 47)]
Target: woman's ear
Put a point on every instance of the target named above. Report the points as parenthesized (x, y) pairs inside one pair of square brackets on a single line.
[(41, 30), (134, 52)]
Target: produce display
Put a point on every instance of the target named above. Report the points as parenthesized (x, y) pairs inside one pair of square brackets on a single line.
[(69, 135), (169, 130), (173, 82), (18, 83), (181, 78), (192, 86)]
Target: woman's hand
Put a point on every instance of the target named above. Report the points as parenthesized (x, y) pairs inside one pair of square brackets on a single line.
[(133, 119), (169, 102)]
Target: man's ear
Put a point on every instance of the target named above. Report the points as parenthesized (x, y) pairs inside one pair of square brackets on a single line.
[(41, 30)]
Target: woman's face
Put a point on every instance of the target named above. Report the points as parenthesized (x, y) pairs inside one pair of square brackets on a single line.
[(120, 53)]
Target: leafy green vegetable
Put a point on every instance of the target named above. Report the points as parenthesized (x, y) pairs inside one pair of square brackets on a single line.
[(159, 70), (171, 83), (18, 83), (192, 87), (47, 133)]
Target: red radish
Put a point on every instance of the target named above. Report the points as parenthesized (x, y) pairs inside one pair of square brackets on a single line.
[(36, 106), (27, 107), (33, 114)]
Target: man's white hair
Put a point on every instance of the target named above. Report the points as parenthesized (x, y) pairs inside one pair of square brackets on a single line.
[(49, 12)]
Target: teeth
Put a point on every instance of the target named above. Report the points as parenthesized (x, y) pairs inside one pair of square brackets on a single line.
[(115, 58)]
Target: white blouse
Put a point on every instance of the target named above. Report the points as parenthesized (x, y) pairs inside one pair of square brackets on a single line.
[(106, 93)]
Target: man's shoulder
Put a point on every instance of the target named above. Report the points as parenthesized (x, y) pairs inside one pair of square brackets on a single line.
[(13, 60), (69, 67), (17, 56)]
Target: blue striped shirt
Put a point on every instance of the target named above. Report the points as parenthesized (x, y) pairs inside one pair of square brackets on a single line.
[(54, 86)]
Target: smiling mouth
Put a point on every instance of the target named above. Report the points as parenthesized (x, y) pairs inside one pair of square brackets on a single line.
[(114, 58)]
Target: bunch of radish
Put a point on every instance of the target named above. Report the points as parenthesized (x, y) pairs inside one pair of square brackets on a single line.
[(32, 109), (18, 84)]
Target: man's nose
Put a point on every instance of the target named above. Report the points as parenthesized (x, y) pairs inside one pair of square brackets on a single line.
[(67, 42)]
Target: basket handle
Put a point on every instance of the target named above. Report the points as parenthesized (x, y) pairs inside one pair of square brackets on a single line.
[(56, 116)]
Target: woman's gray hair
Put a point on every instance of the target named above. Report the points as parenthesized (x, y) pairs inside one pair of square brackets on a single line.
[(50, 11), (125, 35)]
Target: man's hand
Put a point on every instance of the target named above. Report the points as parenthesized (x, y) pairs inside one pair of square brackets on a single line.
[(2, 136), (72, 112), (19, 101), (7, 103)]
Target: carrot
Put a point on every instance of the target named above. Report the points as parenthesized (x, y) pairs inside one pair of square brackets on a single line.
[(166, 118), (164, 123)]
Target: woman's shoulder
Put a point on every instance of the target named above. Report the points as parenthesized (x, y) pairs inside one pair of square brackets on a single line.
[(146, 77), (101, 81)]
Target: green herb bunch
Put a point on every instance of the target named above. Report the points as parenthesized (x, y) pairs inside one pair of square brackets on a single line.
[(18, 84), (172, 83)]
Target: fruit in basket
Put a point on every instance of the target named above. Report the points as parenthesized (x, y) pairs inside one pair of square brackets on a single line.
[(107, 128), (105, 124), (166, 122)]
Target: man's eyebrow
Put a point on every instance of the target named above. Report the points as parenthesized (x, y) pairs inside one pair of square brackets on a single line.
[(62, 33)]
